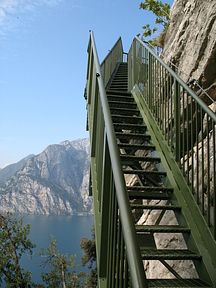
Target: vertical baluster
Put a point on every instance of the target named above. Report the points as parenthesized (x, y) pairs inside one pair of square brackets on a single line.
[(202, 163), (162, 100), (118, 255), (165, 103), (177, 120), (183, 130), (214, 177), (197, 152), (114, 259), (208, 170), (188, 135), (121, 270), (172, 114), (127, 281), (168, 111), (159, 93), (192, 147)]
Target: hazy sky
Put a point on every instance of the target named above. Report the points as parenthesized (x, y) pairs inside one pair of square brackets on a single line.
[(43, 62)]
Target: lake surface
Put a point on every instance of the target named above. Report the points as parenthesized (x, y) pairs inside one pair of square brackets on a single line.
[(67, 230)]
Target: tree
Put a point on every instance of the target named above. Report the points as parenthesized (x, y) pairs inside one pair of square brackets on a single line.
[(61, 266), (14, 242), (89, 248), (162, 12)]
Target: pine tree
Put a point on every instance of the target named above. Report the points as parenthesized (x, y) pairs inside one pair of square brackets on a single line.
[(14, 243)]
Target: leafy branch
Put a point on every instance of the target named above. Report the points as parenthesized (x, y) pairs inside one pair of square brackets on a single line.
[(162, 12)]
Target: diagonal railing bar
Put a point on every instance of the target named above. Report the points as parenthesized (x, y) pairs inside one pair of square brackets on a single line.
[(187, 123), (103, 141)]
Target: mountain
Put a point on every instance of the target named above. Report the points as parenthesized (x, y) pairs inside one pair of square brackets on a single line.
[(10, 170), (52, 182)]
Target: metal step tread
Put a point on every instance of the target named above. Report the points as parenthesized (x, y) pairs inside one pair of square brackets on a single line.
[(162, 229), (117, 92), (132, 135), (168, 254), (139, 158), (155, 207), (175, 283), (130, 126), (146, 195), (118, 98), (150, 188), (127, 119), (136, 146), (131, 104), (120, 78), (147, 172), (123, 89), (125, 110)]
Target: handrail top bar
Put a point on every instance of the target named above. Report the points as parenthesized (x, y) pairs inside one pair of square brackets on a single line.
[(116, 43), (180, 81)]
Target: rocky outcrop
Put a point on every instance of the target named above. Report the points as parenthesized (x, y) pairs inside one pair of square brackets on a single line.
[(53, 182), (191, 43)]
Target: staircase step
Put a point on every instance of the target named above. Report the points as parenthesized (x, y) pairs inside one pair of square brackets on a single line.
[(150, 188), (124, 111), (121, 76), (119, 82), (168, 254), (127, 105), (144, 172), (136, 146), (127, 119), (154, 207), (161, 229), (118, 87), (117, 92), (130, 136), (149, 193), (175, 283), (120, 98), (129, 158), (145, 195), (132, 127)]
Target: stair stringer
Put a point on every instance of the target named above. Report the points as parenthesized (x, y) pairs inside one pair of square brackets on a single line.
[(200, 232)]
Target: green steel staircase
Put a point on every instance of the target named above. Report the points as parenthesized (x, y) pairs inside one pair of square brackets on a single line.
[(135, 173)]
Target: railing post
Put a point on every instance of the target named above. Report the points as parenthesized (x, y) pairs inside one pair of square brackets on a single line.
[(177, 124)]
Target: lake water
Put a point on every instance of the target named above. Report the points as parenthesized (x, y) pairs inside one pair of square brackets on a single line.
[(67, 230)]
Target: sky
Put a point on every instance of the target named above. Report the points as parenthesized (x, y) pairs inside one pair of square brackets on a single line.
[(43, 62)]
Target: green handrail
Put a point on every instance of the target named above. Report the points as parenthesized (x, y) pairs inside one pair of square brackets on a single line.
[(103, 140), (187, 123)]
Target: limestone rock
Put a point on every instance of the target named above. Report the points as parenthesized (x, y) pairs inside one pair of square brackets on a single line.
[(191, 41)]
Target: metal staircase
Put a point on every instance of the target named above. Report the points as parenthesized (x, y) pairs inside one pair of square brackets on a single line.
[(150, 182)]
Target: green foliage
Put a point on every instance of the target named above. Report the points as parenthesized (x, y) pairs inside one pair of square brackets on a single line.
[(162, 13), (61, 266), (14, 242), (89, 249), (89, 258)]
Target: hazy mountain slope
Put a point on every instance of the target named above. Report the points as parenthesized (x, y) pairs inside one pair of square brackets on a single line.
[(53, 182), (10, 170)]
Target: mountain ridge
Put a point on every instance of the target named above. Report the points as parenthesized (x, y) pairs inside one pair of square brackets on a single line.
[(52, 182)]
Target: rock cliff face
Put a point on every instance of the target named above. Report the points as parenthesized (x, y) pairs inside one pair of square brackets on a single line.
[(53, 182), (191, 42)]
